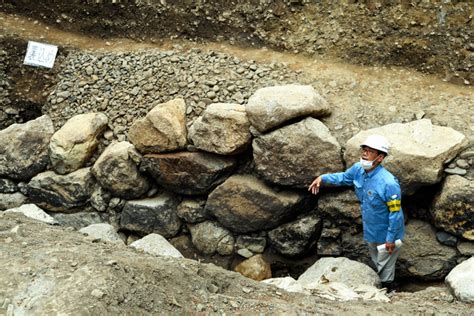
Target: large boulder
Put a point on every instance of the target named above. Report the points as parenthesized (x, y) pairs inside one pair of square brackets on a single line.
[(188, 172), (103, 231), (156, 245), (422, 256), (152, 215), (55, 192), (223, 129), (116, 170), (24, 148), (461, 281), (162, 129), (418, 151), (341, 206), (295, 154), (74, 143), (255, 268), (209, 237), (453, 207), (349, 272), (297, 237), (244, 204), (34, 212), (11, 200), (272, 106)]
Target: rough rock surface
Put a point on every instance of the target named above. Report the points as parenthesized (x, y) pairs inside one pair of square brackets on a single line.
[(245, 204), (453, 208), (152, 215), (209, 237), (272, 106), (191, 210), (223, 128), (342, 207), (466, 248), (296, 237), (74, 143), (342, 270), (11, 200), (116, 170), (295, 154), (422, 256), (61, 192), (418, 151), (34, 212), (190, 173), (163, 128), (156, 245), (255, 268), (78, 220), (103, 231), (24, 148), (461, 281), (8, 186)]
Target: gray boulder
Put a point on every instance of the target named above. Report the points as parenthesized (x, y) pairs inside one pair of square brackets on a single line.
[(34, 212), (8, 186), (156, 245), (418, 151), (24, 148), (163, 128), (422, 256), (342, 207), (11, 200), (78, 220), (297, 237), (349, 272), (188, 172), (223, 129), (272, 106), (191, 210), (209, 237), (103, 231), (55, 192), (152, 215), (116, 170), (253, 244), (75, 143), (461, 281), (245, 204), (295, 154), (453, 207)]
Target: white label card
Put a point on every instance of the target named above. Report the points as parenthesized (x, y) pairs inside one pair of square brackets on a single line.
[(39, 54)]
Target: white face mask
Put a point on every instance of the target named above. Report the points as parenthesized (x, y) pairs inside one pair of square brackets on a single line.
[(366, 164)]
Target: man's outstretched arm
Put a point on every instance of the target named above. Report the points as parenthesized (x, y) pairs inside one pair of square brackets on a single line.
[(338, 178)]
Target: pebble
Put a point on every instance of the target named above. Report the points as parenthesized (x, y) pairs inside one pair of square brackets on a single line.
[(457, 171), (461, 163), (97, 293), (246, 290), (244, 252)]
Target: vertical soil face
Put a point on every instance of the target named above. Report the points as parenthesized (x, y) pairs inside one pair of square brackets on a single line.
[(433, 37)]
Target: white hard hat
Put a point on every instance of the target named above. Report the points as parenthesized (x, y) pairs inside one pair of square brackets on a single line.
[(377, 142)]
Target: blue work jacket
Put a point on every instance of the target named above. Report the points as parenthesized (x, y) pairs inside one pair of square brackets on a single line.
[(379, 194)]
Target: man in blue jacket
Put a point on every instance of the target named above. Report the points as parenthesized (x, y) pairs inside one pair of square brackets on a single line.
[(379, 194)]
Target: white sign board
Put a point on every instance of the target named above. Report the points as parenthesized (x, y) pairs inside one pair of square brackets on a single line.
[(39, 54)]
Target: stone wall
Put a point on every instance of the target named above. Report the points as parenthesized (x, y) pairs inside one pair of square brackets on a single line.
[(232, 182)]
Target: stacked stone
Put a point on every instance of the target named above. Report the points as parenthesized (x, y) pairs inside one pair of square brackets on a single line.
[(233, 181), (5, 110), (126, 85)]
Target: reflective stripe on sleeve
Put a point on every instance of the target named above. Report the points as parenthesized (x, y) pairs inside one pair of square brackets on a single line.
[(394, 205)]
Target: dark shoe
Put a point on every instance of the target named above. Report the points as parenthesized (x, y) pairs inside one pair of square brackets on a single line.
[(390, 286)]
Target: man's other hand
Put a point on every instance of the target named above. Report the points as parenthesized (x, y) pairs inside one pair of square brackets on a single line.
[(314, 187), (390, 246)]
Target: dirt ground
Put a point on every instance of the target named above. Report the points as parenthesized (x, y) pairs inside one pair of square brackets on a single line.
[(50, 269)]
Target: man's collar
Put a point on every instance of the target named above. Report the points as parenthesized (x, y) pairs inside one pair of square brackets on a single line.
[(372, 173)]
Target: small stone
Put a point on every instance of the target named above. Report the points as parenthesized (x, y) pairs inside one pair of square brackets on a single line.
[(212, 288), (97, 293), (8, 240), (467, 154), (89, 70), (245, 253), (457, 170), (200, 307), (246, 290), (338, 127), (462, 163), (446, 239), (74, 264), (211, 95), (419, 115)]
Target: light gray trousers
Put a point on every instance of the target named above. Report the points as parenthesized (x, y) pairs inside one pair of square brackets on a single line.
[(384, 261)]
